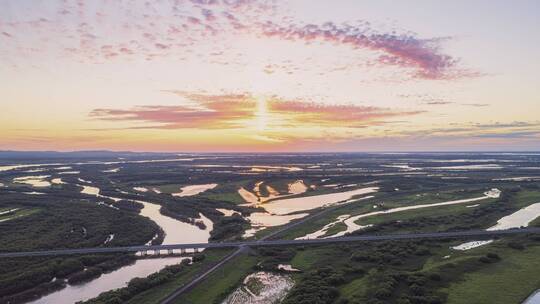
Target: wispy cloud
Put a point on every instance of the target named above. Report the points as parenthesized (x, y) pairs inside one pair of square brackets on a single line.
[(166, 29), (438, 103), (513, 135), (431, 100), (405, 50), (231, 111), (225, 112), (516, 129), (478, 105)]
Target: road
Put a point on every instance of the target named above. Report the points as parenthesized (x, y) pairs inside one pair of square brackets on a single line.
[(271, 243), (170, 298)]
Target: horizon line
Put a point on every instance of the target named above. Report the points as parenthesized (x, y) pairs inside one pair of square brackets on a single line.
[(271, 152)]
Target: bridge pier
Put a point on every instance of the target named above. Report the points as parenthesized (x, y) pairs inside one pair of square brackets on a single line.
[(196, 250), (157, 252), (182, 250), (170, 251)]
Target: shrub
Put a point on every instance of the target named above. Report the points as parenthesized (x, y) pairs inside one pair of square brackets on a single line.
[(198, 257), (69, 266), (493, 256), (485, 260), (515, 245), (435, 277), (86, 275)]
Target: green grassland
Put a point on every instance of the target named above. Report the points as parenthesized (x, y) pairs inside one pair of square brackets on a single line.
[(216, 287), (511, 280), (227, 192)]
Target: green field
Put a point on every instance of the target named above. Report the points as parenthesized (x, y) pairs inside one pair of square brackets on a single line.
[(511, 280), (220, 283)]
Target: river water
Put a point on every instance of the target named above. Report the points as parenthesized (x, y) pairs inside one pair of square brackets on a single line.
[(520, 218), (282, 211), (350, 221), (298, 204), (175, 232), (194, 190)]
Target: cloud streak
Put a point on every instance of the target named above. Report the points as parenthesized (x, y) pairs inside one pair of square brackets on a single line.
[(408, 51), (231, 111), (516, 129)]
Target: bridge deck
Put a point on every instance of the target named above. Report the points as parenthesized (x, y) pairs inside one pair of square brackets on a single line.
[(440, 235)]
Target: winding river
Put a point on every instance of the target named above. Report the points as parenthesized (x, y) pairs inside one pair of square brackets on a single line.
[(350, 221), (175, 232)]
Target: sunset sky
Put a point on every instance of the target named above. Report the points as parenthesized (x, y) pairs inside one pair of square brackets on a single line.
[(242, 75)]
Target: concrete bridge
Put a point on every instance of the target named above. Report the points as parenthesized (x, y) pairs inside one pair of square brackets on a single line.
[(185, 248)]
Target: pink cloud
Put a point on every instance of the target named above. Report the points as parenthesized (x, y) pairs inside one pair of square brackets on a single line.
[(335, 115), (161, 46), (208, 15), (232, 110), (399, 50), (125, 50), (192, 22)]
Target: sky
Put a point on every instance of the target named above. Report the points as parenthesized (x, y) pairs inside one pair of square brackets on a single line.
[(269, 76)]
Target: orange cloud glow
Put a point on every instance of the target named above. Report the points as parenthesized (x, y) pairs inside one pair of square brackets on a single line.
[(233, 111)]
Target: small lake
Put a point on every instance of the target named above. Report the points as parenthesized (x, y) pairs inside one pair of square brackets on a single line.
[(194, 190), (34, 180), (519, 218), (286, 206)]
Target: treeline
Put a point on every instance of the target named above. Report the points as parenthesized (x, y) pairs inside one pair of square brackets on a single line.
[(187, 208), (420, 287), (273, 256), (129, 205), (70, 223), (319, 286), (229, 227), (225, 227), (392, 272)]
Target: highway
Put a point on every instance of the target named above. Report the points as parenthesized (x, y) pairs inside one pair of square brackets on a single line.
[(269, 243)]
